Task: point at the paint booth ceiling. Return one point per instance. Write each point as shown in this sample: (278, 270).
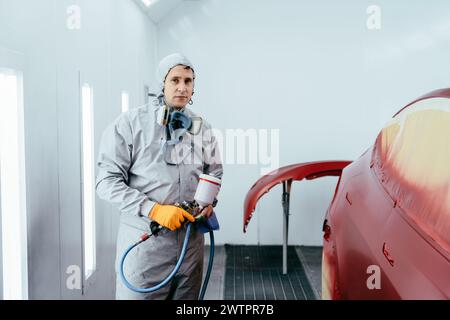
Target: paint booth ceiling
(158, 9)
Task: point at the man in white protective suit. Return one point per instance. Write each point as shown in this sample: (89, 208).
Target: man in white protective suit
(146, 165)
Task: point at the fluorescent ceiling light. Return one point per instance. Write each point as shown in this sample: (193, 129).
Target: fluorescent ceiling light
(148, 3)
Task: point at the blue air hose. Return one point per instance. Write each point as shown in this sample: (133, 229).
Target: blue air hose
(210, 264)
(175, 270)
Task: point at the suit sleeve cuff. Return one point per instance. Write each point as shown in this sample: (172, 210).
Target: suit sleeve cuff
(146, 207)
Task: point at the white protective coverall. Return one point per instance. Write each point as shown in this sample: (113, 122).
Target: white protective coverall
(133, 175)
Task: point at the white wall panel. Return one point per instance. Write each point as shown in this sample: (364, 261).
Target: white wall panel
(113, 50)
(313, 70)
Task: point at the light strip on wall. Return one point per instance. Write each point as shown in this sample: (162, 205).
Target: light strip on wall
(125, 101)
(13, 188)
(89, 240)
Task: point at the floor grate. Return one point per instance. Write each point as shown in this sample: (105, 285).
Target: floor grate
(255, 273)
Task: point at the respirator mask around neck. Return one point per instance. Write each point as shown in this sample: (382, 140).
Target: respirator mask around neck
(176, 124)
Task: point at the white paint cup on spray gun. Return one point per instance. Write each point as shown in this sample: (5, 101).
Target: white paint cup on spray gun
(207, 190)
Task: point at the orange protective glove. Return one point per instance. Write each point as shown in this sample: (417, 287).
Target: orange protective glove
(169, 216)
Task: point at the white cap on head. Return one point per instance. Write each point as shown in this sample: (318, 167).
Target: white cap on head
(167, 63)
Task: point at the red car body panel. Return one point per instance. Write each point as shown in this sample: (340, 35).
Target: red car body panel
(387, 229)
(366, 229)
(296, 172)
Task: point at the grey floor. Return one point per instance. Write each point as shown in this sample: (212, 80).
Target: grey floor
(310, 257)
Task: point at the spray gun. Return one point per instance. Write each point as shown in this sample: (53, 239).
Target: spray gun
(205, 195)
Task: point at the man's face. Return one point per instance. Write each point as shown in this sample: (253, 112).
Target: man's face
(179, 86)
